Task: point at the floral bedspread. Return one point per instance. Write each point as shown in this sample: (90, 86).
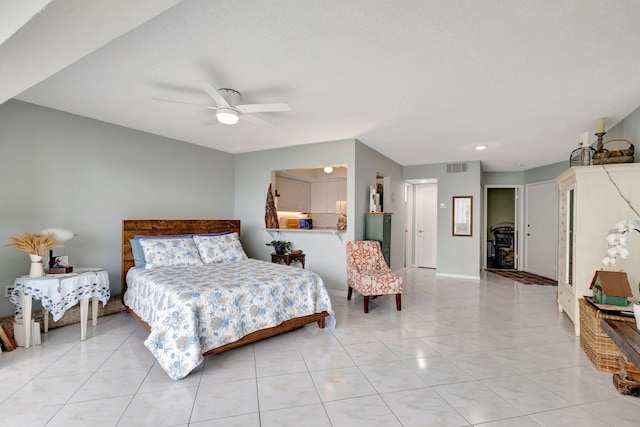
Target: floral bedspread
(194, 309)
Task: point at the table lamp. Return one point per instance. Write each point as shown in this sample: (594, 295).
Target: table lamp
(61, 235)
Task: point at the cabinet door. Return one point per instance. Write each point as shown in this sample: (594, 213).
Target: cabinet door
(282, 187)
(318, 197)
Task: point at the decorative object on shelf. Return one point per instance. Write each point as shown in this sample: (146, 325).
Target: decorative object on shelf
(35, 246)
(341, 208)
(611, 287)
(61, 235)
(271, 214)
(280, 246)
(583, 155)
(603, 156)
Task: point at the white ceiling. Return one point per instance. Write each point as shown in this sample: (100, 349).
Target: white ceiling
(421, 81)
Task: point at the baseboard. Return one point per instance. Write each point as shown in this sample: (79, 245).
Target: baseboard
(458, 276)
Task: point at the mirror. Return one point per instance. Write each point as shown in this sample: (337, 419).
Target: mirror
(462, 215)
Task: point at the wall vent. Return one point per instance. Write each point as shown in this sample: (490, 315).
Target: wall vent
(457, 167)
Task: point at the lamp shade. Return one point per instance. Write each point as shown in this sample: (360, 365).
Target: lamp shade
(227, 116)
(341, 206)
(60, 234)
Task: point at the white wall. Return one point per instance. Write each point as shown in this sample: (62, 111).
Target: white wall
(457, 255)
(326, 253)
(369, 163)
(62, 170)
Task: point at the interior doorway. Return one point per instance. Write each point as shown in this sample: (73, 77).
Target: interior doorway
(421, 223)
(502, 221)
(426, 235)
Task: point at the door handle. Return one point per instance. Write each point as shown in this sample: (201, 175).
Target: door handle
(528, 234)
(420, 231)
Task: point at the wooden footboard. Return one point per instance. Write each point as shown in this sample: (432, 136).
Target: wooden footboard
(286, 326)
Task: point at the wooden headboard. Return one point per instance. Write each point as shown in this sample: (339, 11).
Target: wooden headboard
(160, 227)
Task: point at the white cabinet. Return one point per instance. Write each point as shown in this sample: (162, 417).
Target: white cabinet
(589, 207)
(324, 195)
(294, 194)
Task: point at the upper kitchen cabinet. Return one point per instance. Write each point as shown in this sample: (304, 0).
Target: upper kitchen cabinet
(294, 195)
(324, 195)
(313, 190)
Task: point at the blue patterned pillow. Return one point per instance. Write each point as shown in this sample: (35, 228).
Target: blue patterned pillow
(170, 252)
(216, 249)
(138, 253)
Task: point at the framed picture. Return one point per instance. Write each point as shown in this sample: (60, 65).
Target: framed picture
(61, 261)
(463, 216)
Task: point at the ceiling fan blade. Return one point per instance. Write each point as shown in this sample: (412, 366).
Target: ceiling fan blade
(262, 108)
(184, 103)
(213, 93)
(256, 120)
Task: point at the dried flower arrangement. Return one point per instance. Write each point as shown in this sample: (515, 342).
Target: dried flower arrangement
(33, 244)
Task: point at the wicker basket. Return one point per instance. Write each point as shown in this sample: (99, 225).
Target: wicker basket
(603, 353)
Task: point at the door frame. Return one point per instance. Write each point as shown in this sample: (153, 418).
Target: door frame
(519, 220)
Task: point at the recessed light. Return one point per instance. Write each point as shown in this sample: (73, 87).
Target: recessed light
(481, 147)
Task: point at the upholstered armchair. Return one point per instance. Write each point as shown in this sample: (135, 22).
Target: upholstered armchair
(369, 274)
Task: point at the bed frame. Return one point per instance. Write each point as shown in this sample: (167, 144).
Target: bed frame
(148, 227)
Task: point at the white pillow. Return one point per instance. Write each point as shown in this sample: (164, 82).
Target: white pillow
(216, 249)
(170, 252)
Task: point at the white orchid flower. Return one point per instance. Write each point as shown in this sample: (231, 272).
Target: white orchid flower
(615, 251)
(616, 239)
(627, 225)
(608, 262)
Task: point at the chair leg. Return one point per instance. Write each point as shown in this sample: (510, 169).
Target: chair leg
(399, 302)
(366, 304)
(349, 292)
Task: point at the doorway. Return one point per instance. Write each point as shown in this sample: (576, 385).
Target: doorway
(421, 223)
(502, 219)
(426, 235)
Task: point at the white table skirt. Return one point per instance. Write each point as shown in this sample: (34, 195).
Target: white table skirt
(59, 292)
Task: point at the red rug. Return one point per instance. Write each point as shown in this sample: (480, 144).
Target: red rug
(524, 277)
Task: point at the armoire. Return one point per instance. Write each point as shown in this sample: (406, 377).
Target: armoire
(592, 202)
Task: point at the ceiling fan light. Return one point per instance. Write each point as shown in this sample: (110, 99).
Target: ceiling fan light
(227, 116)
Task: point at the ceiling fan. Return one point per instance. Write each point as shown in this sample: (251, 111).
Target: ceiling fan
(227, 109)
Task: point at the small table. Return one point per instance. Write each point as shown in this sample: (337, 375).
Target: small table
(58, 293)
(288, 258)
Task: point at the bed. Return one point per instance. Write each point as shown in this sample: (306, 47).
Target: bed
(197, 310)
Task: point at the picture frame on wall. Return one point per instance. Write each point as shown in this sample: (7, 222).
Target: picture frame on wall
(463, 216)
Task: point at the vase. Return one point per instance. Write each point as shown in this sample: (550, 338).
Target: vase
(37, 269)
(636, 313)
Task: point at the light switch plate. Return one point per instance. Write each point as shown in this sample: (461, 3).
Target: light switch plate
(7, 290)
(443, 205)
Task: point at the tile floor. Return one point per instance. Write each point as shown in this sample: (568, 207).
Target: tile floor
(460, 353)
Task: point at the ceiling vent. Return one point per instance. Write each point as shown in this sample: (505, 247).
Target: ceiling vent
(457, 167)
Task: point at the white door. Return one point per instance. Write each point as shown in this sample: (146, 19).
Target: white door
(541, 229)
(426, 225)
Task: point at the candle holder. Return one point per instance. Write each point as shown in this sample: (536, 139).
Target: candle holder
(600, 144)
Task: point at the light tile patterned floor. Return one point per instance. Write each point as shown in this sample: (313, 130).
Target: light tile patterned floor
(460, 353)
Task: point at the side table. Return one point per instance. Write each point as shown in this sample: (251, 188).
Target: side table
(288, 258)
(59, 292)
